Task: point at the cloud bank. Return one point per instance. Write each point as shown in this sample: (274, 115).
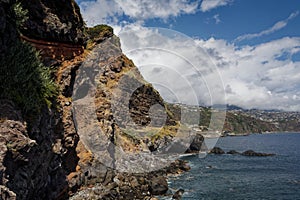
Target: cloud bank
(111, 11)
(208, 72)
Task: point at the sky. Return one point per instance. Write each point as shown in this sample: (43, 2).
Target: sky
(240, 52)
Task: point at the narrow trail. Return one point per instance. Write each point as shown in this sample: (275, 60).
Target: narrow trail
(55, 50)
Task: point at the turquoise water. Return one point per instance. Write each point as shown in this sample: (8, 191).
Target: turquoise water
(233, 177)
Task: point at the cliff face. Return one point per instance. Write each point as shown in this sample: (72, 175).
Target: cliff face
(55, 21)
(43, 156)
(37, 149)
(55, 28)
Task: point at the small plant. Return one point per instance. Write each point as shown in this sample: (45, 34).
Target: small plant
(20, 14)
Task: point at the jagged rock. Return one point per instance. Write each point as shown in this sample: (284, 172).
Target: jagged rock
(56, 21)
(29, 167)
(217, 150)
(196, 144)
(158, 185)
(6, 194)
(253, 153)
(177, 167)
(178, 194)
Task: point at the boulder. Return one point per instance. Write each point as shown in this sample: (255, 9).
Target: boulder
(196, 144)
(177, 167)
(217, 150)
(158, 185)
(178, 194)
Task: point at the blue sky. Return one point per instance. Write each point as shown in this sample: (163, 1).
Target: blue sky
(254, 44)
(238, 18)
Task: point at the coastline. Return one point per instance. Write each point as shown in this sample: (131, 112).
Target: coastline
(268, 132)
(211, 164)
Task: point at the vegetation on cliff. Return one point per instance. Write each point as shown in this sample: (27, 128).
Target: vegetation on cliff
(24, 79)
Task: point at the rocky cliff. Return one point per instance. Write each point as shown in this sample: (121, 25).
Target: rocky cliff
(48, 148)
(37, 143)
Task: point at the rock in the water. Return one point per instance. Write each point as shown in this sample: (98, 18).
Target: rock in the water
(253, 153)
(217, 150)
(233, 152)
(158, 185)
(178, 194)
(177, 167)
(195, 146)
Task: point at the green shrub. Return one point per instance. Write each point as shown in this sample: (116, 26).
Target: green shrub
(25, 80)
(20, 14)
(101, 29)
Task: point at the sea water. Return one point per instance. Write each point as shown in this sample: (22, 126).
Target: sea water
(230, 177)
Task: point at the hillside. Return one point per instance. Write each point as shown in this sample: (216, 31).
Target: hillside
(241, 121)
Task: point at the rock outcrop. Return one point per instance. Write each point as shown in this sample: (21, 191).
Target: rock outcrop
(217, 150)
(253, 153)
(196, 144)
(53, 21)
(178, 194)
(56, 29)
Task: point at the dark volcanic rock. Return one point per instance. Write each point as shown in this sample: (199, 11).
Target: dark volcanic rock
(131, 186)
(196, 144)
(178, 194)
(30, 168)
(177, 167)
(253, 153)
(58, 21)
(158, 185)
(217, 150)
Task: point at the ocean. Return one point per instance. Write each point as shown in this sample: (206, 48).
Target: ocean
(236, 177)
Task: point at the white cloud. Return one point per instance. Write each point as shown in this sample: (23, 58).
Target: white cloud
(251, 76)
(145, 9)
(109, 11)
(217, 18)
(208, 5)
(255, 76)
(188, 74)
(277, 26)
(100, 12)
